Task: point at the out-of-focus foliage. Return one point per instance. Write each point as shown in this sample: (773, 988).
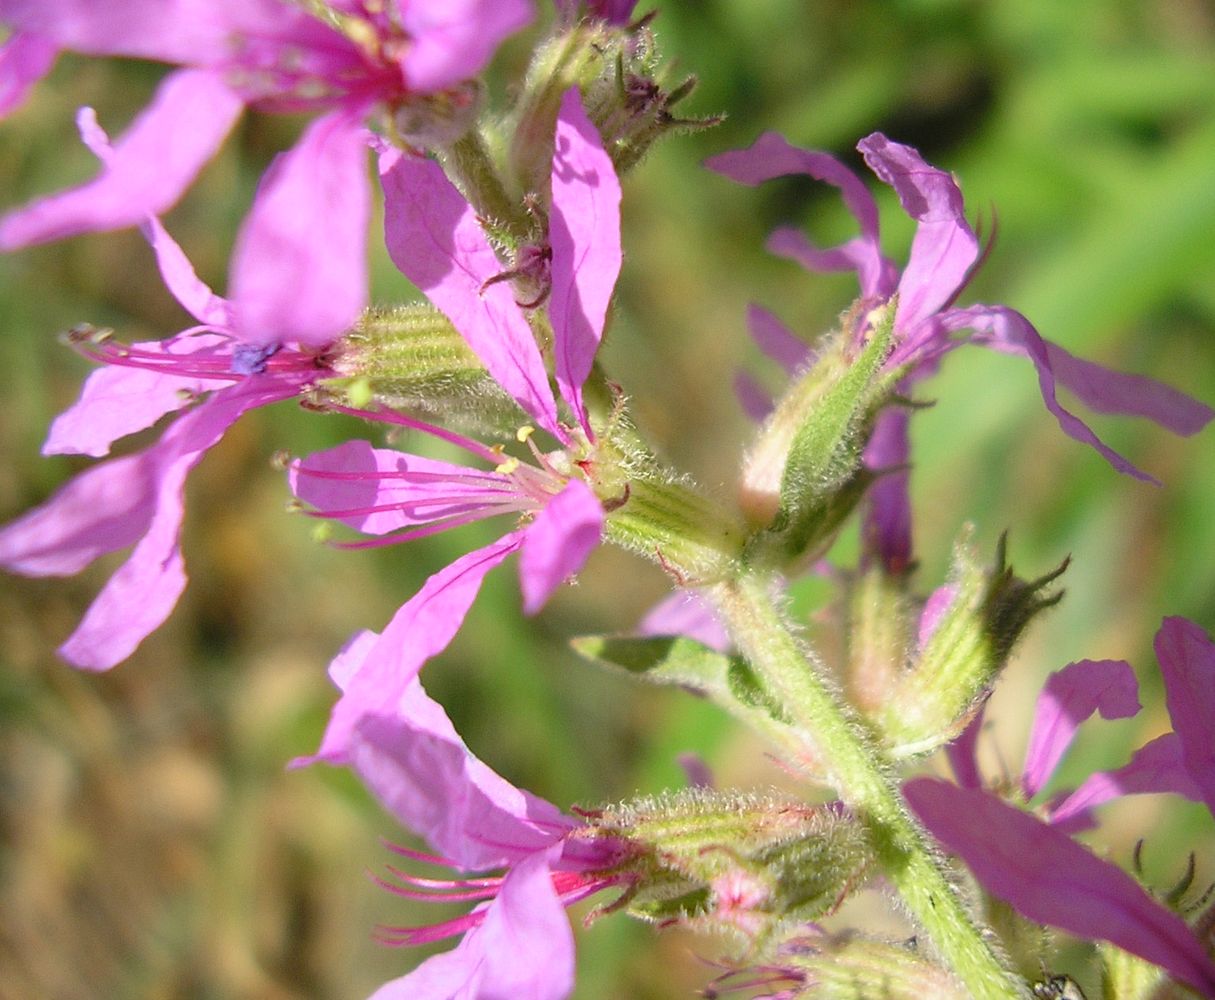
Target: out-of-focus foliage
(153, 845)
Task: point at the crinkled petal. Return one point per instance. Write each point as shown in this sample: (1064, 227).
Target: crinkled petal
(103, 509)
(1105, 391)
(117, 401)
(148, 169)
(454, 40)
(143, 591)
(24, 60)
(411, 758)
(584, 232)
(1068, 697)
(887, 524)
(685, 612)
(772, 156)
(557, 543)
(422, 628)
(776, 340)
(876, 275)
(378, 490)
(434, 238)
(1051, 879)
(1007, 330)
(1157, 766)
(522, 948)
(299, 270)
(1187, 663)
(944, 247)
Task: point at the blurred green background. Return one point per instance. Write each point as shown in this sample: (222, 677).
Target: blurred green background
(154, 846)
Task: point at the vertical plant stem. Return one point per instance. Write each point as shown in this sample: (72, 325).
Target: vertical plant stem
(866, 782)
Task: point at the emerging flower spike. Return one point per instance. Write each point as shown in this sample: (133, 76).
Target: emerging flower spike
(519, 943)
(436, 241)
(310, 213)
(138, 499)
(944, 254)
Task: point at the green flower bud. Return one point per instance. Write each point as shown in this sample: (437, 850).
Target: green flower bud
(803, 474)
(966, 637)
(411, 358)
(751, 866)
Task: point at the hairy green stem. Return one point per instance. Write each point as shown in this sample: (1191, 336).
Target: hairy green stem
(867, 784)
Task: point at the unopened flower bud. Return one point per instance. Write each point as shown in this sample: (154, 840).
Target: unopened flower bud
(966, 632)
(412, 358)
(747, 865)
(804, 472)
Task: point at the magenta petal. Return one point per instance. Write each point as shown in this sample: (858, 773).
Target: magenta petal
(178, 274)
(1157, 766)
(1106, 391)
(754, 399)
(299, 271)
(522, 948)
(420, 629)
(103, 509)
(434, 238)
(584, 231)
(772, 156)
(962, 753)
(1051, 879)
(413, 761)
(1007, 330)
(148, 169)
(776, 340)
(944, 248)
(887, 525)
(685, 612)
(1068, 697)
(378, 490)
(454, 40)
(117, 401)
(1187, 663)
(24, 60)
(557, 543)
(142, 592)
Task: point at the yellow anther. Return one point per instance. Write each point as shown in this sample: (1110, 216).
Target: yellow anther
(524, 432)
(507, 467)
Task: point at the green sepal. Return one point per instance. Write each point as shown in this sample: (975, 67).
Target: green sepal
(411, 358)
(804, 473)
(728, 861)
(991, 607)
(853, 967)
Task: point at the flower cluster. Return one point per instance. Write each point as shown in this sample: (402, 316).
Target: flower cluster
(509, 225)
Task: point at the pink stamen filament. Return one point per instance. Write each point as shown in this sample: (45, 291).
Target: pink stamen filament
(451, 437)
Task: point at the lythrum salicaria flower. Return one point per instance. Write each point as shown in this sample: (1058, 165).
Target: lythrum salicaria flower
(944, 254)
(434, 237)
(1032, 863)
(517, 942)
(214, 372)
(309, 217)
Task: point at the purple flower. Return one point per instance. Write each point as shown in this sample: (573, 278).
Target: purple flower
(612, 11)
(1032, 863)
(944, 254)
(433, 236)
(138, 499)
(310, 213)
(406, 751)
